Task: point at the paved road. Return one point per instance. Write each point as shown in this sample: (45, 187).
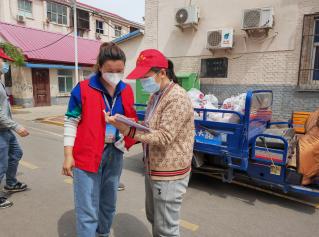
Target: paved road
(210, 209)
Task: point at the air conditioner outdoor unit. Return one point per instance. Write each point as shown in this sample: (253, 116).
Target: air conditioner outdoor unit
(187, 16)
(259, 18)
(220, 38)
(20, 18)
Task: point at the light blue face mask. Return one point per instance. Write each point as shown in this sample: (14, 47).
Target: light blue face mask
(5, 68)
(150, 85)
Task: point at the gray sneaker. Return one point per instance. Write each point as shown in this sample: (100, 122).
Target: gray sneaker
(121, 187)
(19, 187)
(4, 203)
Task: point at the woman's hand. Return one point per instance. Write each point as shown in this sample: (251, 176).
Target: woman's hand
(68, 166)
(122, 127)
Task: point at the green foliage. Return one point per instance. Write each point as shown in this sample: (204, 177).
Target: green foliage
(13, 52)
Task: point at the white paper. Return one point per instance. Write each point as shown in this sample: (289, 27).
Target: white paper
(131, 123)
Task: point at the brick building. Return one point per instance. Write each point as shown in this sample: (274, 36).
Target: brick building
(281, 54)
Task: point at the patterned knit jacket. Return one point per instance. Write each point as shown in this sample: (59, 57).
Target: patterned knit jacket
(170, 143)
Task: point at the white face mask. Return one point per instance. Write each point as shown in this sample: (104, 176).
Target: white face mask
(113, 78)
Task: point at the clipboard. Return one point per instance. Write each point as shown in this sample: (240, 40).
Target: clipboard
(131, 123)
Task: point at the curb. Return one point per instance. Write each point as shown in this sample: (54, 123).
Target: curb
(16, 107)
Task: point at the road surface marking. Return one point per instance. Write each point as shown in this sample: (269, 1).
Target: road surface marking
(28, 165)
(189, 226)
(68, 181)
(47, 132)
(185, 224)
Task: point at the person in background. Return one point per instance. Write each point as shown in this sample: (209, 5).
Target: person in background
(168, 148)
(10, 150)
(94, 149)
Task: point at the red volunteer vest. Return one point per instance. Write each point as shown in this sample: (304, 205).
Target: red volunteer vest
(89, 142)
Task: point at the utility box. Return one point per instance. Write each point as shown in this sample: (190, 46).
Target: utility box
(185, 80)
(188, 80)
(142, 97)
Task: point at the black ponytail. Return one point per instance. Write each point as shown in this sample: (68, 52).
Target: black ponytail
(170, 73)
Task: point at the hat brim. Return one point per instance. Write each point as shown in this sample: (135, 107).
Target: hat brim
(6, 57)
(138, 73)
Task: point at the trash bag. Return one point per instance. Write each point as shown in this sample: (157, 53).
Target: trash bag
(195, 95)
(229, 103)
(234, 103)
(211, 100)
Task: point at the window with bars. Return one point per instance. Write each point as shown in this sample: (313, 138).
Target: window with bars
(118, 30)
(57, 13)
(65, 80)
(214, 68)
(309, 59)
(25, 8)
(99, 27)
(83, 19)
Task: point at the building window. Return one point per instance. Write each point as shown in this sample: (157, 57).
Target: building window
(25, 8)
(133, 29)
(80, 33)
(87, 74)
(99, 27)
(65, 80)
(214, 68)
(118, 31)
(309, 60)
(83, 19)
(57, 13)
(316, 53)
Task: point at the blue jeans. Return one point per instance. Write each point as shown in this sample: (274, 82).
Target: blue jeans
(10, 155)
(95, 195)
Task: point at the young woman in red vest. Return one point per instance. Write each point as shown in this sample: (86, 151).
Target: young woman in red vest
(94, 149)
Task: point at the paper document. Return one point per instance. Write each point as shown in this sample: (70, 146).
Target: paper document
(131, 123)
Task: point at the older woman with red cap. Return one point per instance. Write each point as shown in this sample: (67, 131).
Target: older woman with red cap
(10, 150)
(168, 147)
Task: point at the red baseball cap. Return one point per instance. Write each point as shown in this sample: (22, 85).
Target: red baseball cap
(4, 56)
(146, 61)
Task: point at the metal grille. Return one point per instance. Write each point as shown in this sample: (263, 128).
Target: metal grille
(181, 16)
(252, 18)
(309, 56)
(214, 68)
(214, 39)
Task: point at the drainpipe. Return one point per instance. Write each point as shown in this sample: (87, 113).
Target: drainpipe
(75, 25)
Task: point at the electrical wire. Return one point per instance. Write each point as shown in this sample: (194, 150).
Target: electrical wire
(264, 39)
(46, 46)
(58, 40)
